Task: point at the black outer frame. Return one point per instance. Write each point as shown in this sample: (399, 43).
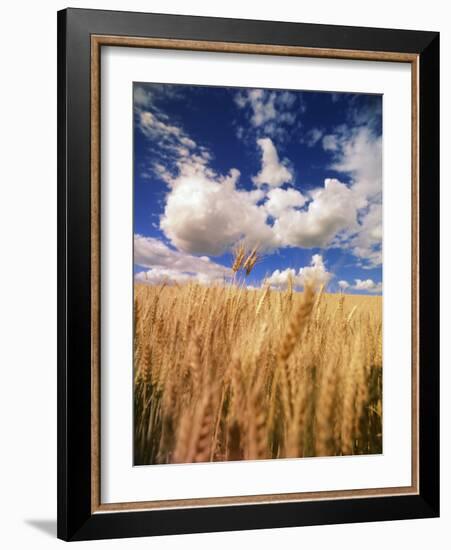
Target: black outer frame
(75, 520)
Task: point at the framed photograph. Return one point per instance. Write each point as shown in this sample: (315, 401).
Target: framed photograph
(248, 274)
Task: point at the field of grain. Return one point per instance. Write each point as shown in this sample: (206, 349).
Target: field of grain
(227, 373)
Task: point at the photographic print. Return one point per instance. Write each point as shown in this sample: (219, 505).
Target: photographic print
(248, 269)
(257, 273)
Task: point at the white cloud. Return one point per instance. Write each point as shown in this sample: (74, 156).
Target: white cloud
(154, 127)
(286, 99)
(369, 285)
(261, 102)
(343, 285)
(363, 286)
(165, 263)
(361, 156)
(207, 214)
(312, 137)
(142, 97)
(358, 153)
(273, 172)
(175, 148)
(162, 172)
(280, 200)
(315, 274)
(270, 113)
(159, 275)
(149, 95)
(332, 210)
(279, 279)
(367, 243)
(330, 142)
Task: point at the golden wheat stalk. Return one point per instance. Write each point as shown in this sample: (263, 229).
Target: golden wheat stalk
(225, 373)
(264, 298)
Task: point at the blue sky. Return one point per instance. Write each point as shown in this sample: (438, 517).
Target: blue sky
(296, 173)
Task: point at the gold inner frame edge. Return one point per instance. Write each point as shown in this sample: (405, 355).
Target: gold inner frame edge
(97, 41)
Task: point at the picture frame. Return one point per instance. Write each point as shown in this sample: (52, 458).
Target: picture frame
(81, 36)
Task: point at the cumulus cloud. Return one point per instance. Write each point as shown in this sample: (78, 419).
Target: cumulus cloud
(315, 274)
(367, 243)
(357, 152)
(360, 154)
(273, 172)
(167, 264)
(281, 200)
(159, 275)
(279, 279)
(367, 285)
(332, 209)
(207, 214)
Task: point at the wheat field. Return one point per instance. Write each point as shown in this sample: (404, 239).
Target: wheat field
(227, 373)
